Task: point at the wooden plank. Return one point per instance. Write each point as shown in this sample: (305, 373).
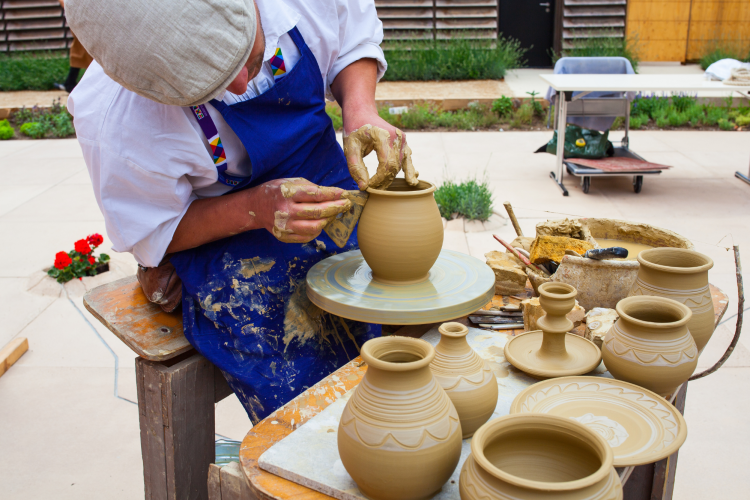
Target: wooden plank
(661, 11)
(473, 12)
(221, 387)
(37, 34)
(33, 13)
(12, 352)
(148, 379)
(189, 427)
(387, 13)
(32, 24)
(150, 332)
(214, 482)
(234, 485)
(27, 4)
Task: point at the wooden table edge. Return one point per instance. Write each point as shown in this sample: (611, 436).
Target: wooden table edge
(282, 422)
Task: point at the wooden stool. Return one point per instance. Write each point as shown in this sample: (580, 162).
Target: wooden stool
(177, 389)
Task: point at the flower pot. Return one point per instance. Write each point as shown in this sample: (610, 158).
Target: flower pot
(399, 436)
(650, 345)
(681, 275)
(538, 457)
(466, 377)
(400, 232)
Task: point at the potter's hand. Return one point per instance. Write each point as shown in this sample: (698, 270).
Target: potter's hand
(390, 146)
(296, 210)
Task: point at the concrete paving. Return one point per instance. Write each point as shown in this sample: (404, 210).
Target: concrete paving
(65, 435)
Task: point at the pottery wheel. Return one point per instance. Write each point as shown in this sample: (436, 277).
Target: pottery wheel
(458, 284)
(641, 426)
(522, 352)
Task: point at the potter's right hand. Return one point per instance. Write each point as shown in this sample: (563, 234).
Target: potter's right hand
(389, 144)
(296, 210)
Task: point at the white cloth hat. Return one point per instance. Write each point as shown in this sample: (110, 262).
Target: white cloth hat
(178, 52)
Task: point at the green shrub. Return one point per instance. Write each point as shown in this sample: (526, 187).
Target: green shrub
(682, 102)
(6, 130)
(62, 125)
(35, 130)
(471, 199)
(638, 121)
(503, 106)
(722, 47)
(695, 115)
(676, 119)
(725, 124)
(651, 106)
(662, 120)
(524, 115)
(742, 121)
(33, 70)
(455, 59)
(714, 114)
(334, 113)
(605, 46)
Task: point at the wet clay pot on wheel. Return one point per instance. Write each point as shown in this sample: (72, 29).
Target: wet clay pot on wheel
(538, 457)
(465, 376)
(681, 275)
(399, 436)
(400, 232)
(649, 345)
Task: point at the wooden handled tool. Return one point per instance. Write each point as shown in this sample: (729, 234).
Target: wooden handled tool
(513, 220)
(341, 228)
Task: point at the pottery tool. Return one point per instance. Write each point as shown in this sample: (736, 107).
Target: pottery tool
(494, 320)
(607, 253)
(457, 285)
(340, 228)
(520, 257)
(509, 326)
(513, 220)
(507, 314)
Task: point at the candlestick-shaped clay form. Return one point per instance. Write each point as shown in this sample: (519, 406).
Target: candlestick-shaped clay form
(465, 376)
(553, 352)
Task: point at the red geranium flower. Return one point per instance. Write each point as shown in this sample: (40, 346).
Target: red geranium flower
(62, 260)
(82, 246)
(95, 239)
(92, 260)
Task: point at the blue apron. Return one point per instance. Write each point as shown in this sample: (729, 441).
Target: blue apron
(245, 305)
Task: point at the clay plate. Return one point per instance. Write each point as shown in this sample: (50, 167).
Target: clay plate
(458, 284)
(641, 426)
(521, 351)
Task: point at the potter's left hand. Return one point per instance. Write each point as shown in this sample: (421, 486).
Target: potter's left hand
(390, 146)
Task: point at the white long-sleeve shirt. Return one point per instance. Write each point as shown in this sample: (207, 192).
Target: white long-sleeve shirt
(149, 161)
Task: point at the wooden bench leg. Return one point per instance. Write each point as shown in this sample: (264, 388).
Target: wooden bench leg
(176, 405)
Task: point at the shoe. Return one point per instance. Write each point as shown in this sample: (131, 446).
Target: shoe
(59, 86)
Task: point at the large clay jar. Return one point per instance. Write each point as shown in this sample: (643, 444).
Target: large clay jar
(681, 275)
(399, 436)
(466, 377)
(400, 232)
(650, 345)
(538, 457)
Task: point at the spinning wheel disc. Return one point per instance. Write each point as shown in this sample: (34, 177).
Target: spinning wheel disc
(458, 284)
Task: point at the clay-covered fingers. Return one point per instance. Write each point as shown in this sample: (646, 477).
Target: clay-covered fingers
(300, 231)
(389, 157)
(410, 173)
(303, 191)
(357, 145)
(315, 211)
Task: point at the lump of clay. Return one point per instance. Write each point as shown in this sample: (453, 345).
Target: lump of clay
(532, 311)
(552, 248)
(572, 228)
(510, 278)
(599, 320)
(522, 242)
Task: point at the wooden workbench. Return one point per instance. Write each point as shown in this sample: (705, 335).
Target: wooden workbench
(647, 482)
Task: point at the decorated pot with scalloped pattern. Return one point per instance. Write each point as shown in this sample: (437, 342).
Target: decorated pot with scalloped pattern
(538, 457)
(650, 345)
(399, 435)
(465, 376)
(681, 275)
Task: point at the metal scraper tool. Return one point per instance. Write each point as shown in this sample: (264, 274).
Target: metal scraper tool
(340, 228)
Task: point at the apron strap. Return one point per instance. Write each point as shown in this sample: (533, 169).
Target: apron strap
(208, 127)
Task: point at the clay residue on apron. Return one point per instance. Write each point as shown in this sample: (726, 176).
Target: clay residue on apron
(303, 320)
(256, 265)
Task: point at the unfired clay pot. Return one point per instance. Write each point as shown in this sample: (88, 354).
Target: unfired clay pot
(538, 457)
(400, 232)
(466, 377)
(649, 345)
(681, 275)
(399, 435)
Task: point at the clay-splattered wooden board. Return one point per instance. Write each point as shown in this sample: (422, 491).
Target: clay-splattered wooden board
(309, 456)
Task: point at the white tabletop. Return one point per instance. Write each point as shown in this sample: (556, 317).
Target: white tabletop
(635, 83)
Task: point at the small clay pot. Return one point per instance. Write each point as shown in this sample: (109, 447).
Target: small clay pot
(681, 275)
(650, 345)
(465, 376)
(399, 436)
(538, 457)
(400, 232)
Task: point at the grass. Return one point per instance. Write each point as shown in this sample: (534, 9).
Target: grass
(610, 46)
(470, 199)
(456, 59)
(683, 110)
(33, 70)
(723, 48)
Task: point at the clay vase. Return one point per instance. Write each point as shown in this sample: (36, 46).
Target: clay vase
(400, 232)
(465, 376)
(538, 457)
(399, 436)
(681, 275)
(650, 345)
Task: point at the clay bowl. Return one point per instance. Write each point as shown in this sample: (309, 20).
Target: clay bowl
(604, 283)
(538, 457)
(400, 232)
